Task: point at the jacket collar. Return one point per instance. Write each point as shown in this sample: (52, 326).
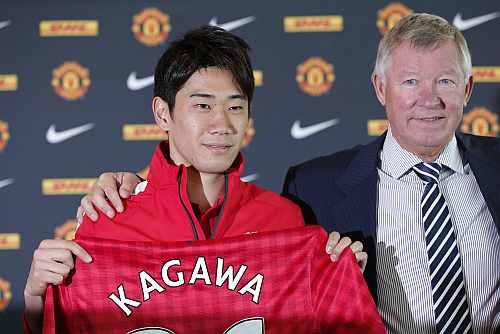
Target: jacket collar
(364, 164)
(164, 172)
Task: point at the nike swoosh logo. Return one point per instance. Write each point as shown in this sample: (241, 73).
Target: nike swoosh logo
(55, 137)
(299, 132)
(231, 25)
(6, 182)
(462, 24)
(250, 177)
(4, 24)
(133, 83)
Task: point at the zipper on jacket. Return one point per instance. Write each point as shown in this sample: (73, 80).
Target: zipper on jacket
(193, 226)
(212, 233)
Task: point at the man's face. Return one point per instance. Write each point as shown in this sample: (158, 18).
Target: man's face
(209, 120)
(424, 92)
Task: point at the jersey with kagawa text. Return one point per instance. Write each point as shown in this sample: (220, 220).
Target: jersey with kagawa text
(269, 282)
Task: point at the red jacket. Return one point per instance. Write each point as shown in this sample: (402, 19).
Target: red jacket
(162, 212)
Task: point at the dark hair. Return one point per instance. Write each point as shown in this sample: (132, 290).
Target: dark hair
(201, 48)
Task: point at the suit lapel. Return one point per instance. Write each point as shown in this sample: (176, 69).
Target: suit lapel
(359, 186)
(357, 210)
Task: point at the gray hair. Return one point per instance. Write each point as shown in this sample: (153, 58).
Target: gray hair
(424, 31)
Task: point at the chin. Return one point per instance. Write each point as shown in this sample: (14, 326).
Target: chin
(213, 168)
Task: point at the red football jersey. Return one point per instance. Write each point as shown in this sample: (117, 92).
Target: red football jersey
(272, 282)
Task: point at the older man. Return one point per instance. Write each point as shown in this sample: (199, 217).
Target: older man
(423, 199)
(427, 196)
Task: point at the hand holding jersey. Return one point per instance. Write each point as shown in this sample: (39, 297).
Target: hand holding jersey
(207, 287)
(52, 262)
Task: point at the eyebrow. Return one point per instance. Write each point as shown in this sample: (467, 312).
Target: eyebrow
(446, 71)
(210, 96)
(449, 72)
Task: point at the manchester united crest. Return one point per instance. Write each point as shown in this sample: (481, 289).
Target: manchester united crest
(71, 81)
(480, 121)
(315, 76)
(151, 26)
(390, 15)
(4, 135)
(5, 294)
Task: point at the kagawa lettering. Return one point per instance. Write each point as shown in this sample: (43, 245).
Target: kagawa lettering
(250, 284)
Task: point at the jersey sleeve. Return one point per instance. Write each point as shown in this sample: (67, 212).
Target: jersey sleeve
(341, 300)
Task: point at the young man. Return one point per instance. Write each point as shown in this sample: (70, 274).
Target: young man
(203, 89)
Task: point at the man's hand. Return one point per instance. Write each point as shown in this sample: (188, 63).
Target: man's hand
(52, 262)
(335, 246)
(109, 186)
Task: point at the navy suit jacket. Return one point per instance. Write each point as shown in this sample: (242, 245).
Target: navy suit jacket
(339, 191)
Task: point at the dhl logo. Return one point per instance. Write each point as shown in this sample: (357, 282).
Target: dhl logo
(313, 23)
(10, 241)
(69, 28)
(66, 186)
(8, 82)
(377, 126)
(143, 132)
(258, 77)
(486, 73)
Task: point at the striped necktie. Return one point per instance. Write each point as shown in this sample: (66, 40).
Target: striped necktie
(448, 290)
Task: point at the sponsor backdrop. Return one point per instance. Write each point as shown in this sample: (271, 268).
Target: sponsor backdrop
(76, 88)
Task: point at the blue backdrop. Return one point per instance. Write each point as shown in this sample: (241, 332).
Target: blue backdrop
(75, 95)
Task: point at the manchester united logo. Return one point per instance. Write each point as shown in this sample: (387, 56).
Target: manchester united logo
(66, 231)
(71, 80)
(5, 294)
(480, 121)
(4, 135)
(151, 26)
(390, 15)
(315, 76)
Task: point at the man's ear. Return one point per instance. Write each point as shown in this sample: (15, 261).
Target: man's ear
(379, 86)
(161, 113)
(469, 86)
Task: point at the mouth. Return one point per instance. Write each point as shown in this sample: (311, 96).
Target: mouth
(218, 148)
(429, 119)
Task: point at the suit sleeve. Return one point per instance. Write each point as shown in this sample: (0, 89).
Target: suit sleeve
(341, 300)
(291, 190)
(289, 186)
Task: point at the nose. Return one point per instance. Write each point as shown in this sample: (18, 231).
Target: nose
(221, 122)
(429, 96)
